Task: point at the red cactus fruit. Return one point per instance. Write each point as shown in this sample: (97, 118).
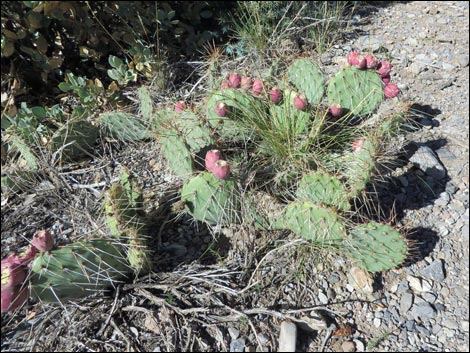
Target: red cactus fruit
(13, 274)
(225, 85)
(246, 83)
(384, 68)
(221, 169)
(43, 240)
(300, 101)
(257, 87)
(391, 90)
(221, 108)
(234, 80)
(212, 156)
(336, 110)
(386, 80)
(27, 256)
(371, 61)
(361, 62)
(275, 94)
(352, 58)
(180, 106)
(14, 297)
(357, 145)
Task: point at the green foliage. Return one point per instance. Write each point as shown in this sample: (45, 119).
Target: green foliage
(212, 200)
(120, 72)
(77, 270)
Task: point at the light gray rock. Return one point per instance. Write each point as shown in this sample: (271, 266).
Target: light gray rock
(435, 271)
(406, 302)
(237, 345)
(288, 337)
(425, 159)
(233, 332)
(423, 311)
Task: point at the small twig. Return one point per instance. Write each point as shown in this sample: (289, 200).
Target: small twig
(111, 313)
(328, 334)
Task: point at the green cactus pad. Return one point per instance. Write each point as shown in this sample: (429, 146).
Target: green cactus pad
(146, 103)
(320, 187)
(361, 166)
(74, 138)
(196, 134)
(124, 126)
(359, 91)
(376, 247)
(308, 79)
(177, 153)
(77, 270)
(313, 222)
(212, 200)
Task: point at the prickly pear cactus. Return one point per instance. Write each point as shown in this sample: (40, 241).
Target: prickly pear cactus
(177, 153)
(123, 208)
(376, 247)
(212, 200)
(313, 222)
(78, 270)
(124, 126)
(359, 91)
(74, 138)
(308, 79)
(322, 188)
(146, 104)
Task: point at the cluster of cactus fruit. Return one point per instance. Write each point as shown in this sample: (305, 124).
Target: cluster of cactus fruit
(81, 268)
(244, 111)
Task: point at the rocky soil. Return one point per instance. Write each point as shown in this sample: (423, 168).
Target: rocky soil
(230, 290)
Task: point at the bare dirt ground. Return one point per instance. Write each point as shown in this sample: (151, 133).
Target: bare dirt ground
(229, 289)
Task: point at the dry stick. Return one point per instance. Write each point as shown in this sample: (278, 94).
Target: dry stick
(111, 313)
(128, 342)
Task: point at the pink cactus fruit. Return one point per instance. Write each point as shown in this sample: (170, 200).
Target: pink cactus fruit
(384, 68)
(371, 61)
(257, 87)
(275, 94)
(43, 240)
(357, 145)
(26, 256)
(386, 79)
(13, 274)
(246, 83)
(234, 80)
(212, 157)
(391, 90)
(221, 108)
(336, 110)
(221, 169)
(180, 106)
(300, 101)
(225, 85)
(352, 58)
(361, 62)
(14, 297)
